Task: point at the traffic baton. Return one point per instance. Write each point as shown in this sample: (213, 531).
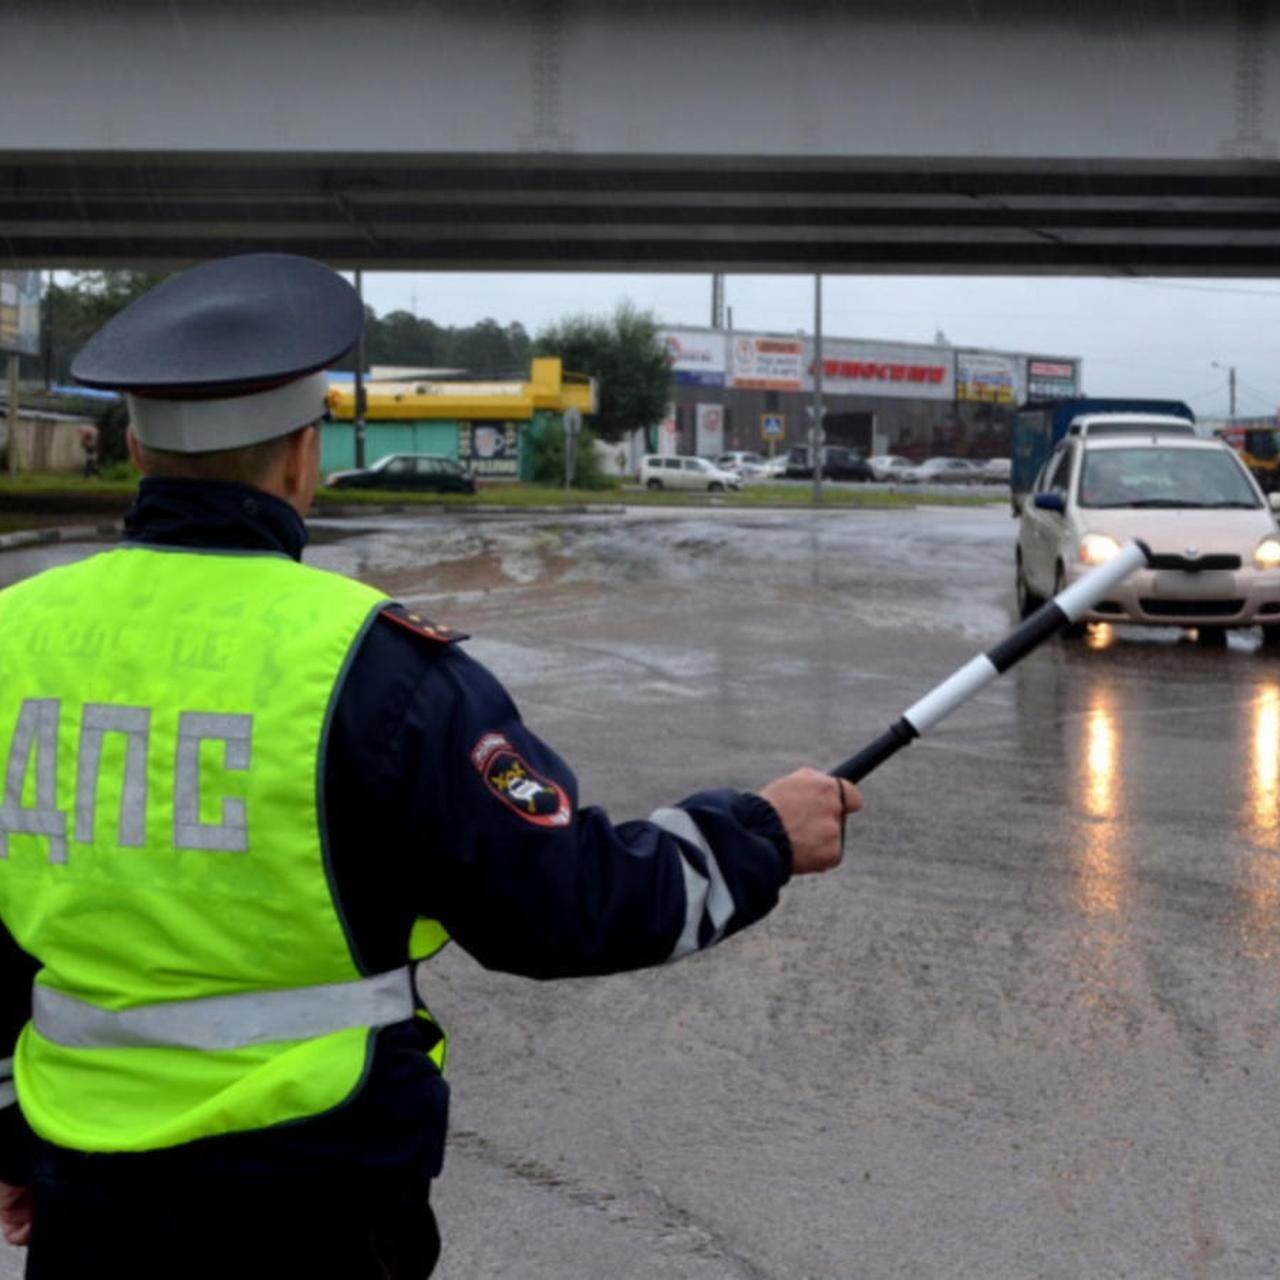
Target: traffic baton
(1067, 606)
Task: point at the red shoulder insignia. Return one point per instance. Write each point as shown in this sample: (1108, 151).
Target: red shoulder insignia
(421, 626)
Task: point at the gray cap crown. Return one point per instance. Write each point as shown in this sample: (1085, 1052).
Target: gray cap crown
(227, 354)
(236, 324)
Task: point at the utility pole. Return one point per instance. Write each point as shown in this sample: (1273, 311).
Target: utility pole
(816, 434)
(13, 416)
(1231, 386)
(717, 300)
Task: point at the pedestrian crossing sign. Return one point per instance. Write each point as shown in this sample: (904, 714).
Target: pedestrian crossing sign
(773, 426)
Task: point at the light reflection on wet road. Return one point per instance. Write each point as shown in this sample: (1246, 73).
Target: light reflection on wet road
(1031, 1028)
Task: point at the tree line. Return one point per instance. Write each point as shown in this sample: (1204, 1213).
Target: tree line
(620, 351)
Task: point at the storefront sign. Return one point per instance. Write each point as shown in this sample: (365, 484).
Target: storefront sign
(885, 369)
(988, 379)
(710, 430)
(20, 312)
(697, 358)
(490, 448)
(768, 364)
(1050, 379)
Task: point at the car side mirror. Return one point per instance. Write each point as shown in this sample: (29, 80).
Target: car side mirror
(1051, 502)
(1273, 499)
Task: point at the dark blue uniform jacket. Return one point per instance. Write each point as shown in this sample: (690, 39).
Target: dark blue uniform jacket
(424, 821)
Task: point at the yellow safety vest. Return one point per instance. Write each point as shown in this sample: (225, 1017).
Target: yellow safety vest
(163, 721)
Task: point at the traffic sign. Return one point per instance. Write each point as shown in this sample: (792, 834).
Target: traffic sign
(773, 426)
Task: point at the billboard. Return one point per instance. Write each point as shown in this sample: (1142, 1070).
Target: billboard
(20, 312)
(669, 433)
(768, 364)
(490, 448)
(710, 430)
(901, 370)
(1052, 378)
(697, 357)
(987, 378)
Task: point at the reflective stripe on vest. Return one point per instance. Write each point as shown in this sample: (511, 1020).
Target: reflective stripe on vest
(226, 1022)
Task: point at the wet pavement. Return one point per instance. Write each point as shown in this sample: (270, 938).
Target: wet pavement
(1031, 1028)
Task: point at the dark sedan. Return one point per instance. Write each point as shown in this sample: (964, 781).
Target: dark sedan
(837, 464)
(408, 472)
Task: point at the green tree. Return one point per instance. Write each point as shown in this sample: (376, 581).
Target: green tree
(75, 308)
(622, 352)
(487, 350)
(548, 459)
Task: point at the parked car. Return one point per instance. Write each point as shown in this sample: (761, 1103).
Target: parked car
(750, 466)
(685, 473)
(944, 471)
(838, 463)
(996, 471)
(889, 466)
(1211, 531)
(409, 472)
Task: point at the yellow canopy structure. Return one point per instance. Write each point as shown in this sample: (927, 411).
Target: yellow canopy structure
(548, 388)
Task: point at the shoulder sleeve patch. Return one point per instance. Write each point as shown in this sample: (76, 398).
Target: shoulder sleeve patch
(415, 622)
(518, 785)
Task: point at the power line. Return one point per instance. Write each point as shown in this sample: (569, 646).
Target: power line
(1260, 393)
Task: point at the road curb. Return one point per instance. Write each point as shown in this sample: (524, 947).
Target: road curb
(68, 533)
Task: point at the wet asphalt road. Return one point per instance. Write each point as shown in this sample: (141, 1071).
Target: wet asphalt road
(1031, 1028)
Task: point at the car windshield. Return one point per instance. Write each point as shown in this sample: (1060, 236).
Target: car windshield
(1150, 477)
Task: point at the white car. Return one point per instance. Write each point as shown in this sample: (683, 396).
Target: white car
(678, 472)
(944, 471)
(750, 466)
(996, 471)
(1212, 533)
(890, 466)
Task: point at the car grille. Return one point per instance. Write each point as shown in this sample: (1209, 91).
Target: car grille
(1199, 565)
(1190, 608)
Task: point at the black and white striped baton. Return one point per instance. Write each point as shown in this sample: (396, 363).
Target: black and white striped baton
(1067, 606)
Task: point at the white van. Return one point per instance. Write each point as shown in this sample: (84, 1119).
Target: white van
(679, 472)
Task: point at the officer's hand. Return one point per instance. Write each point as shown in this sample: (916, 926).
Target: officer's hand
(15, 1213)
(813, 806)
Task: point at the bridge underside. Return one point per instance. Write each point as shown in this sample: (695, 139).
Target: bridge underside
(697, 213)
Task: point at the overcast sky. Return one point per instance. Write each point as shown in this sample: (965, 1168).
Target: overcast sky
(1136, 337)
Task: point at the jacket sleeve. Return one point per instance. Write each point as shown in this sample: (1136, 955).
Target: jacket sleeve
(528, 882)
(17, 969)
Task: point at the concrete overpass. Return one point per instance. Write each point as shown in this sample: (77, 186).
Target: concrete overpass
(1094, 136)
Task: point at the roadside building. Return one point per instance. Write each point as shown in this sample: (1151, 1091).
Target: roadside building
(739, 390)
(488, 426)
(50, 441)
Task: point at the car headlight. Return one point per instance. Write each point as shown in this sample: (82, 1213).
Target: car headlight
(1098, 548)
(1266, 555)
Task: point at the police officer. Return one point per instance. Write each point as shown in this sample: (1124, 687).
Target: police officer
(244, 799)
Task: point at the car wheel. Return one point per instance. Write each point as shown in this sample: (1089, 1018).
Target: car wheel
(654, 484)
(1028, 601)
(715, 487)
(1073, 630)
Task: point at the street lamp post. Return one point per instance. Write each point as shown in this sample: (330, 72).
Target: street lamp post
(816, 433)
(1231, 385)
